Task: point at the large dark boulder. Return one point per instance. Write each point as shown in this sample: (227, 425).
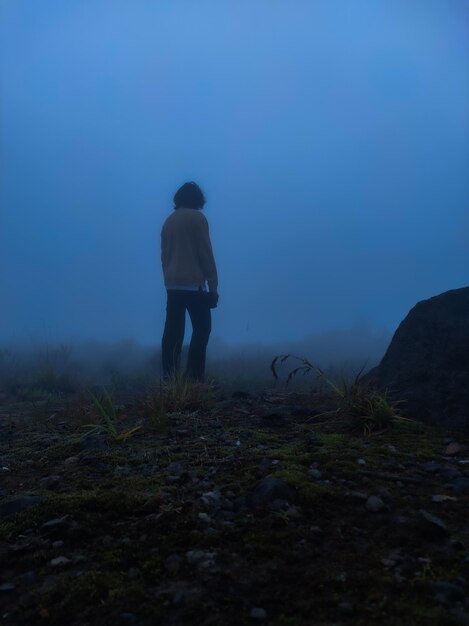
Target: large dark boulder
(427, 362)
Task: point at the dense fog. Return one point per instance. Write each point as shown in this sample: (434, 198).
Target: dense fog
(330, 138)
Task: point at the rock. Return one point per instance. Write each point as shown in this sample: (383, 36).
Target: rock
(173, 563)
(361, 462)
(269, 489)
(129, 618)
(17, 504)
(7, 587)
(345, 608)
(440, 498)
(58, 544)
(431, 466)
(449, 473)
(431, 525)
(60, 561)
(28, 578)
(446, 592)
(453, 449)
(49, 482)
(71, 460)
(258, 614)
(55, 524)
(375, 504)
(461, 484)
(357, 495)
(314, 473)
(426, 363)
(175, 469)
(211, 499)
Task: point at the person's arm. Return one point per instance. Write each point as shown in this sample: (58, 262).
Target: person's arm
(164, 249)
(206, 255)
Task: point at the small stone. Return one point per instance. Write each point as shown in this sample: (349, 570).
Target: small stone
(258, 614)
(453, 449)
(17, 504)
(375, 504)
(174, 479)
(361, 461)
(49, 482)
(357, 495)
(173, 563)
(446, 592)
(108, 541)
(432, 525)
(345, 608)
(56, 523)
(461, 484)
(175, 469)
(7, 587)
(60, 561)
(28, 578)
(431, 467)
(269, 489)
(315, 473)
(71, 460)
(57, 544)
(439, 498)
(211, 498)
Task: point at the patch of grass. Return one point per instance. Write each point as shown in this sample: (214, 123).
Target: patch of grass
(359, 407)
(108, 411)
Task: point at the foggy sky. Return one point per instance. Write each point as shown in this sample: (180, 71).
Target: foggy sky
(330, 138)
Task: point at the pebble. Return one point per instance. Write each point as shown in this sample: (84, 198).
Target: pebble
(446, 592)
(361, 461)
(314, 473)
(431, 467)
(60, 561)
(173, 563)
(439, 498)
(16, 504)
(56, 523)
(258, 614)
(461, 484)
(176, 469)
(58, 544)
(375, 504)
(71, 460)
(345, 608)
(7, 587)
(453, 449)
(269, 489)
(432, 525)
(28, 578)
(49, 482)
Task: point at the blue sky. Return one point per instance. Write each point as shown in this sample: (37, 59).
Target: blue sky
(331, 139)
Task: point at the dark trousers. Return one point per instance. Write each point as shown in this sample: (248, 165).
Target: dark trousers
(195, 302)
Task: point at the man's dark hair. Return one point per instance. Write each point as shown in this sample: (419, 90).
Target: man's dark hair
(189, 196)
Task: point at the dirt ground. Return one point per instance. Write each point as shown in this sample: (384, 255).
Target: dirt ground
(240, 510)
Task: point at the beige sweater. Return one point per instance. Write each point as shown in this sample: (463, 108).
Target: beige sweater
(186, 251)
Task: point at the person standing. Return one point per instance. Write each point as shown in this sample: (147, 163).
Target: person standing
(189, 269)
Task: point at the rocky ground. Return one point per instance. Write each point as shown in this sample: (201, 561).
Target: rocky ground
(251, 509)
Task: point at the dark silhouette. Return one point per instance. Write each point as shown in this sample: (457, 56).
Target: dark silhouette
(188, 267)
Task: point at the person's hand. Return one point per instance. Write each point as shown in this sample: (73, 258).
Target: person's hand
(213, 299)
